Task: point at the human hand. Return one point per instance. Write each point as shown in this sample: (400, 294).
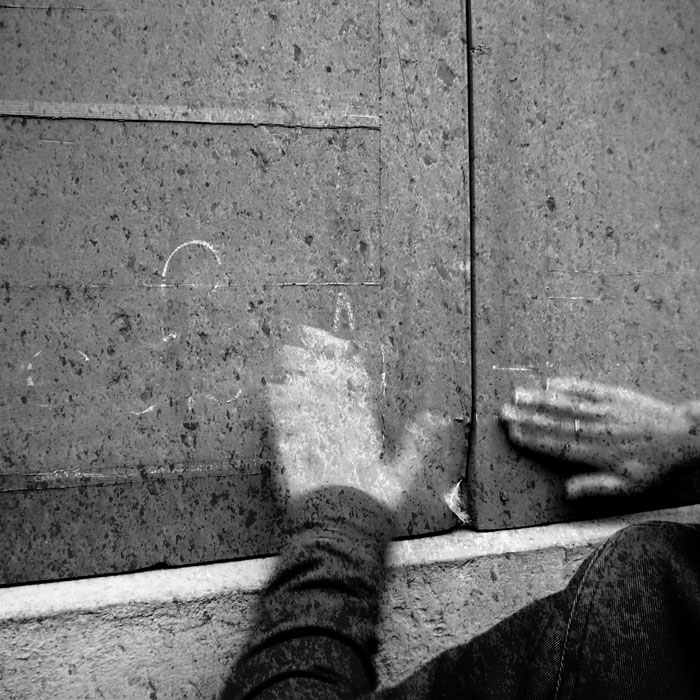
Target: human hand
(631, 440)
(324, 408)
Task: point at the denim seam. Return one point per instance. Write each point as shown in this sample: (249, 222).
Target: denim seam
(579, 592)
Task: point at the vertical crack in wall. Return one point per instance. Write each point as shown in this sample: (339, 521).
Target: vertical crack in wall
(380, 223)
(472, 435)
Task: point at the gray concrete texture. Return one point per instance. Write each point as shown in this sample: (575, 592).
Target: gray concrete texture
(183, 648)
(118, 314)
(174, 634)
(289, 62)
(587, 165)
(153, 261)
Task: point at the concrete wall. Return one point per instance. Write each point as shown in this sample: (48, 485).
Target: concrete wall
(173, 634)
(587, 200)
(180, 188)
(339, 158)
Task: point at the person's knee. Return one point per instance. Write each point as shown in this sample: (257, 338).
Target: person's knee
(656, 551)
(655, 537)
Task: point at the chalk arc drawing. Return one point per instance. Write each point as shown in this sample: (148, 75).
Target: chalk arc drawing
(196, 241)
(170, 335)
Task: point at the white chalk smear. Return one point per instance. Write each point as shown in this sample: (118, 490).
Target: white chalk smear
(381, 347)
(213, 398)
(515, 369)
(150, 409)
(196, 241)
(454, 502)
(30, 367)
(342, 302)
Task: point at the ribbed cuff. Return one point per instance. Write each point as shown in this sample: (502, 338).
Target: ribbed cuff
(343, 506)
(317, 617)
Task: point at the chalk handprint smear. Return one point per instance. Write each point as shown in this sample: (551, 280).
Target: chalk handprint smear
(167, 255)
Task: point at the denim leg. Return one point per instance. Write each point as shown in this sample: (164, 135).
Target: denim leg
(633, 627)
(626, 627)
(497, 664)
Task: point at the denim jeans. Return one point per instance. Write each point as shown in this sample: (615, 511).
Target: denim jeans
(627, 627)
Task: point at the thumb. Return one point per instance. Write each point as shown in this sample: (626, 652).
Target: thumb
(597, 484)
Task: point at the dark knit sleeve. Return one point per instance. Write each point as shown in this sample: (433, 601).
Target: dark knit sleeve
(314, 633)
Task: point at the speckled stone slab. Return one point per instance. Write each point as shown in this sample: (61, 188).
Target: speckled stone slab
(207, 181)
(588, 201)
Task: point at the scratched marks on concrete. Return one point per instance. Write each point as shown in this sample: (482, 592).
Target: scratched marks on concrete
(150, 248)
(425, 213)
(246, 62)
(280, 205)
(192, 394)
(179, 357)
(588, 196)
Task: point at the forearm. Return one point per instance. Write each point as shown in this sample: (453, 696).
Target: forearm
(316, 620)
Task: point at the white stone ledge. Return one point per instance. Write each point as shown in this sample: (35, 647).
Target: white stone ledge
(468, 544)
(36, 601)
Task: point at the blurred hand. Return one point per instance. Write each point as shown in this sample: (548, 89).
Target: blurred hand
(324, 409)
(630, 440)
